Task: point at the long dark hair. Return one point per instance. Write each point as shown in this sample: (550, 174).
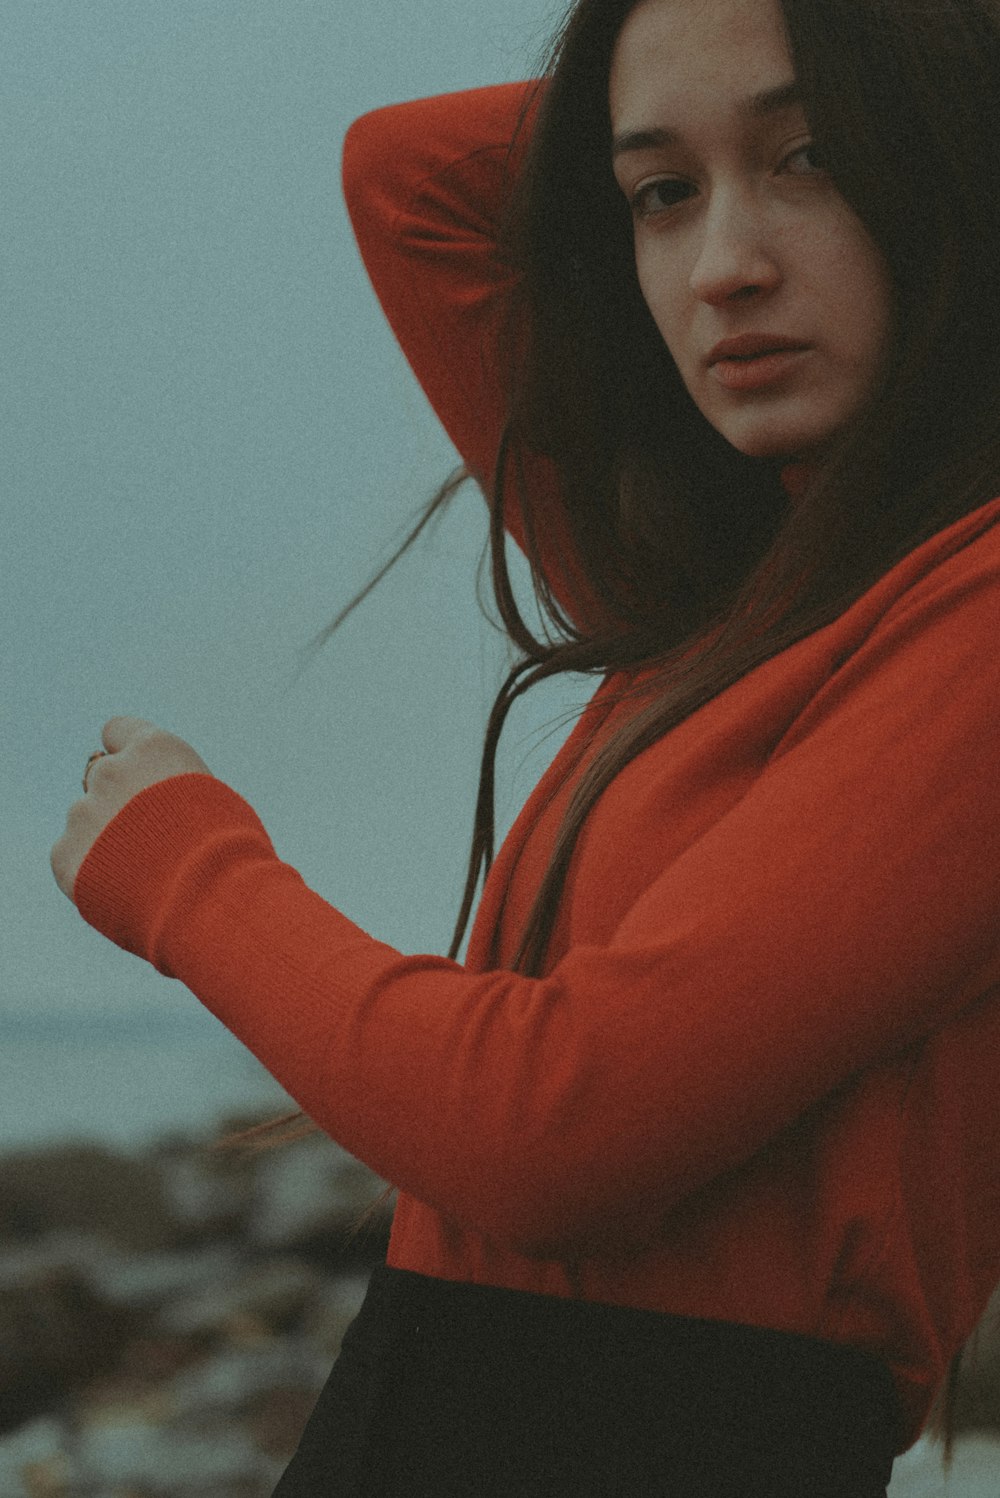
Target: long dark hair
(701, 567)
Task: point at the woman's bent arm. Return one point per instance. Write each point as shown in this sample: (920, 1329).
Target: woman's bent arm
(426, 185)
(841, 910)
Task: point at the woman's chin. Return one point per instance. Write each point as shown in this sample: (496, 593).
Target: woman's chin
(800, 436)
(786, 446)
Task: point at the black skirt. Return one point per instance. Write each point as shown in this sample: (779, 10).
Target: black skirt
(446, 1390)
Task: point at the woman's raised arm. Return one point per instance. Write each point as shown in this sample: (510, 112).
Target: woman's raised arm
(425, 184)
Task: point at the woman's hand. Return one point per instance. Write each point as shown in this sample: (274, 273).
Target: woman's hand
(139, 754)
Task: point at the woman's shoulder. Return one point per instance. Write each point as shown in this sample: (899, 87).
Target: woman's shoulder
(964, 550)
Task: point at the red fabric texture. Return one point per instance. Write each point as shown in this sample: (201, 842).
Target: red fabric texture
(757, 1079)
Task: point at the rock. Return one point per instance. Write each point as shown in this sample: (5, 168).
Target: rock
(262, 1300)
(73, 1311)
(332, 1312)
(33, 1462)
(179, 1312)
(210, 1190)
(276, 1421)
(126, 1452)
(84, 1189)
(125, 1279)
(148, 1280)
(55, 1334)
(311, 1196)
(146, 1365)
(264, 1394)
(81, 1252)
(234, 1379)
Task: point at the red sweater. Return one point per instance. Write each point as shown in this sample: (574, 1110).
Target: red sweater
(757, 1080)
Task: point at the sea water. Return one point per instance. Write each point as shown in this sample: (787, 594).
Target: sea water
(123, 1083)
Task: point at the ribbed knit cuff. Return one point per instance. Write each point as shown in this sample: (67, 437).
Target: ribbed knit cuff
(124, 884)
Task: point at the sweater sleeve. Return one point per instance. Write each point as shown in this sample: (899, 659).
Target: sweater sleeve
(425, 185)
(837, 914)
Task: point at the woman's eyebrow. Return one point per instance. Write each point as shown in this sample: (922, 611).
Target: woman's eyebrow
(769, 101)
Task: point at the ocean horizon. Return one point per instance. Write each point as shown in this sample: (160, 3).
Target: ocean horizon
(121, 1082)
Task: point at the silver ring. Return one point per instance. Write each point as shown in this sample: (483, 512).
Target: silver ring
(100, 753)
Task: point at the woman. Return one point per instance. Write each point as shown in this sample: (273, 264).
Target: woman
(698, 1152)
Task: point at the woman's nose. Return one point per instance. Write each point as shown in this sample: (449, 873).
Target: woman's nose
(734, 258)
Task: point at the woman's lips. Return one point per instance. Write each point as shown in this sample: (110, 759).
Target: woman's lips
(762, 369)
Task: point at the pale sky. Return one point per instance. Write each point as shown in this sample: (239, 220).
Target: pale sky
(210, 442)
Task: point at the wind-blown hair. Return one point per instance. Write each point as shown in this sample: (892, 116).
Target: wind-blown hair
(704, 568)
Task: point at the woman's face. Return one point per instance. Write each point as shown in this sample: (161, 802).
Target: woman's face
(738, 231)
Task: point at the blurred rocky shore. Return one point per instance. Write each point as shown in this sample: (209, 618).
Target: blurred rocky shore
(167, 1319)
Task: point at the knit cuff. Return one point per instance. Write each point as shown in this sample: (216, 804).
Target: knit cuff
(124, 885)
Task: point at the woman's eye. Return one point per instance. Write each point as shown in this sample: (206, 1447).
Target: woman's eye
(656, 196)
(809, 149)
(660, 196)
